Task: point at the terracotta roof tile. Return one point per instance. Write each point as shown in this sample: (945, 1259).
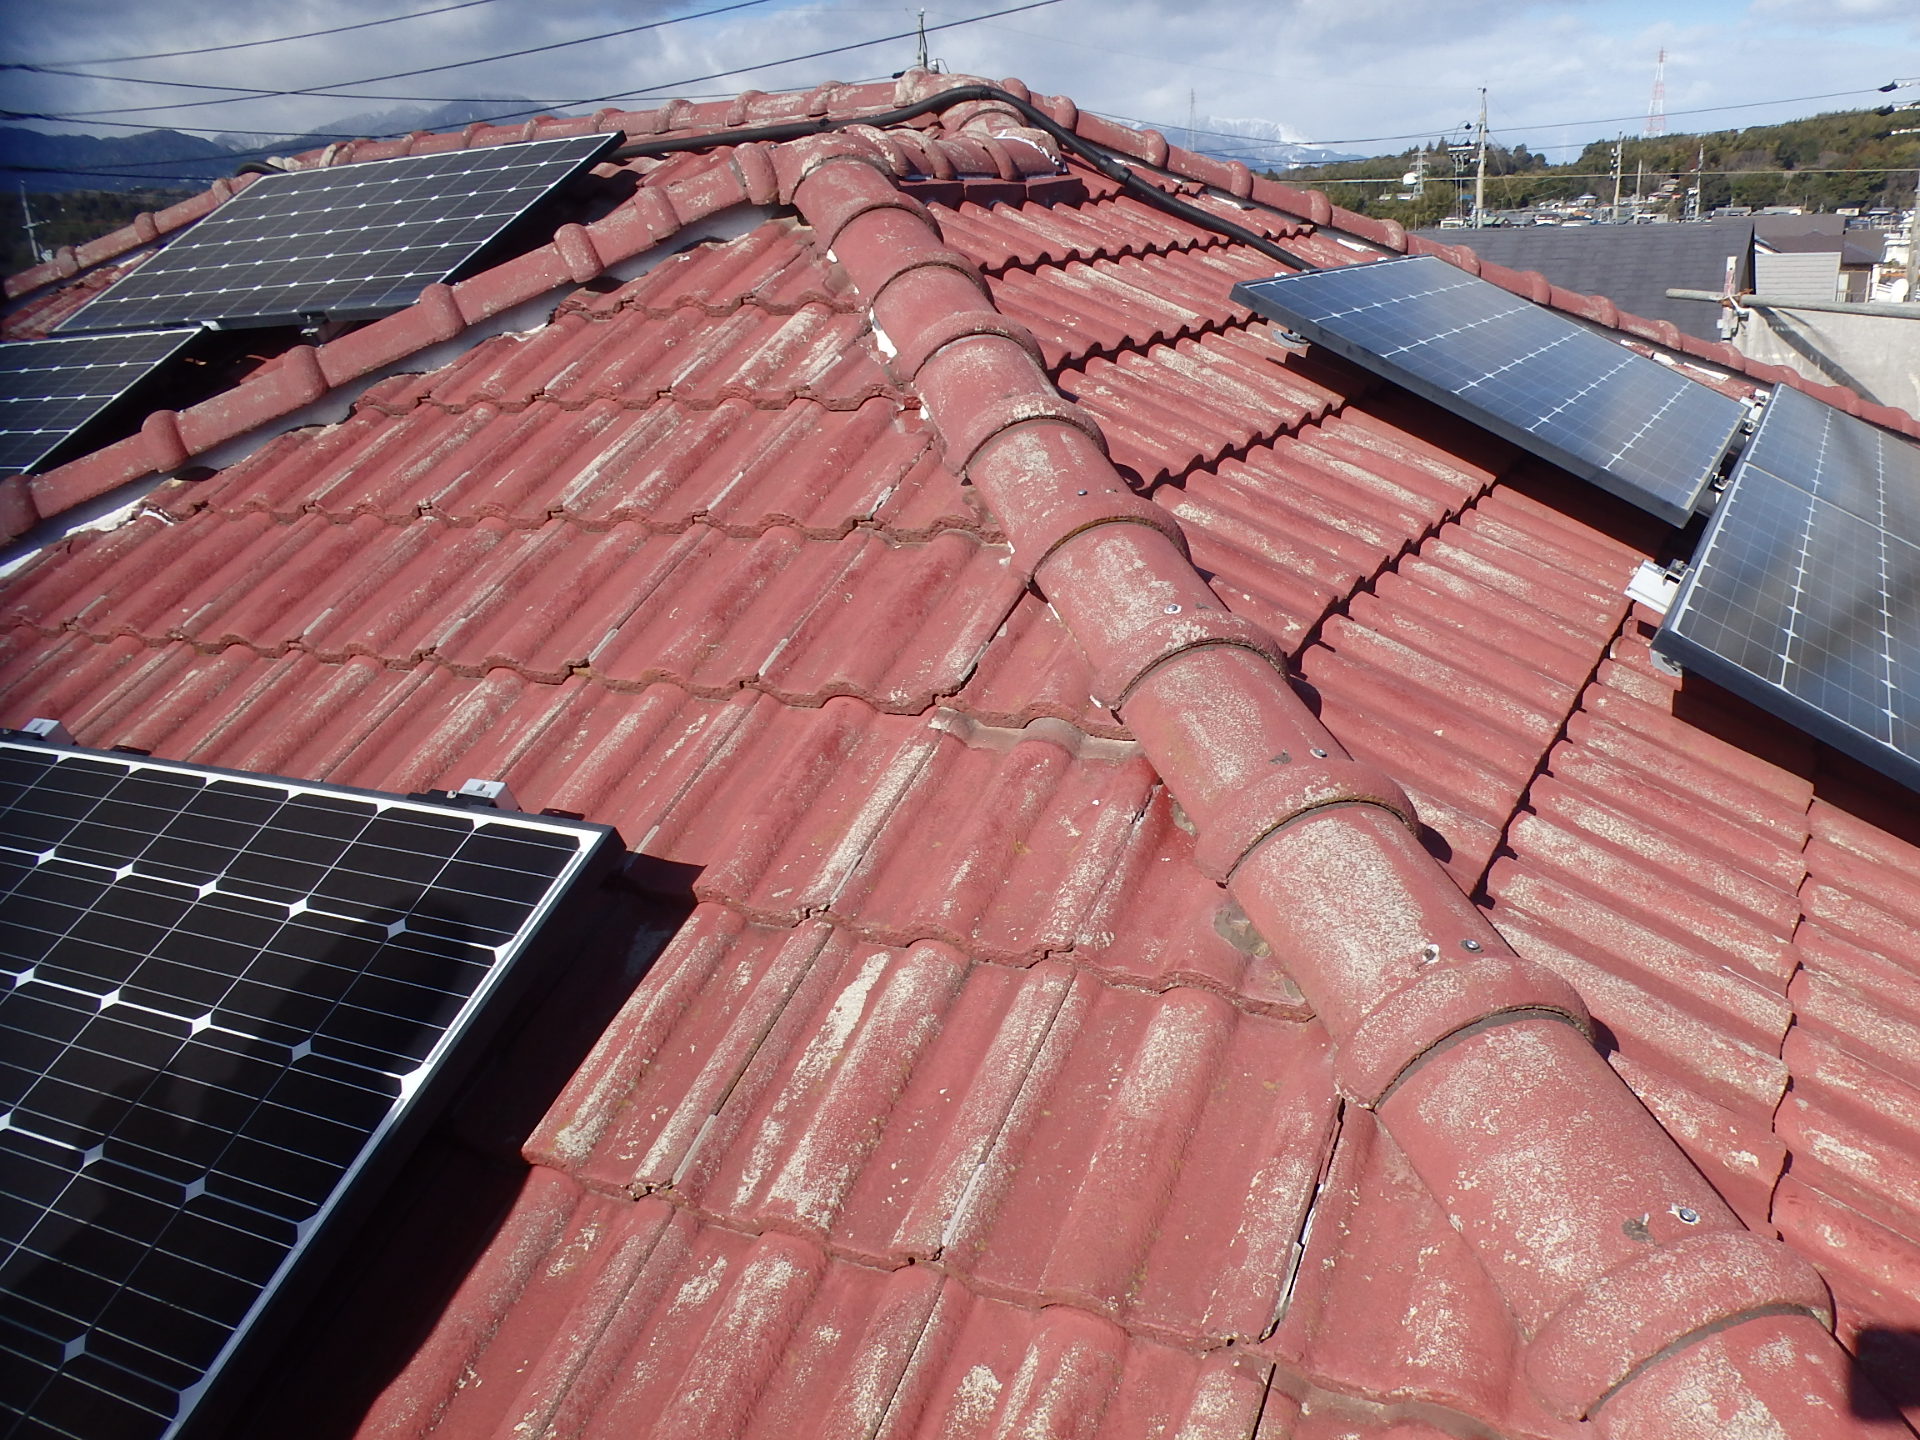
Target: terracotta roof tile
(624, 1318)
(965, 1102)
(1004, 1093)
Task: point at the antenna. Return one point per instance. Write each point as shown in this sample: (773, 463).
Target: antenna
(1657, 106)
(920, 59)
(1190, 104)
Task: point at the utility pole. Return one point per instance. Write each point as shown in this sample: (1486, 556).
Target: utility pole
(1913, 215)
(1190, 104)
(1696, 195)
(1619, 164)
(1480, 169)
(33, 241)
(920, 60)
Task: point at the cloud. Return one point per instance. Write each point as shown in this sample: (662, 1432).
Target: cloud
(1830, 12)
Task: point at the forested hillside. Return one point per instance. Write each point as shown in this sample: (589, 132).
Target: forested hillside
(1825, 162)
(70, 219)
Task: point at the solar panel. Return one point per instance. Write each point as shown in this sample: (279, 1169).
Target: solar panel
(1805, 595)
(226, 1001)
(345, 242)
(52, 390)
(1628, 424)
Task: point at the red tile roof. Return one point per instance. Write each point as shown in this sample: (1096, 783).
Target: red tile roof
(902, 526)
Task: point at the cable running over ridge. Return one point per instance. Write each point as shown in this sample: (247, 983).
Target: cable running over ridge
(1099, 157)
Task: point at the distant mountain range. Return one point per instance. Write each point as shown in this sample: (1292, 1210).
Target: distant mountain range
(165, 159)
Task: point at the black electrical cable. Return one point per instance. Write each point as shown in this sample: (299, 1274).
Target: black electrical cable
(1097, 156)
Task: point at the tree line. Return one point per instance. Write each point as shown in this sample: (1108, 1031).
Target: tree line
(1825, 162)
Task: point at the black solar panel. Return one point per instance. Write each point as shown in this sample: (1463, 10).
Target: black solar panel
(51, 390)
(1805, 595)
(225, 1000)
(1611, 416)
(345, 242)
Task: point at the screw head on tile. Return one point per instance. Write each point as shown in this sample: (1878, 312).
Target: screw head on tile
(1429, 953)
(1173, 609)
(1473, 945)
(1318, 753)
(1686, 1214)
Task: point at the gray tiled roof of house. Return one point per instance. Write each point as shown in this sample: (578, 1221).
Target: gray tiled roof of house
(1634, 265)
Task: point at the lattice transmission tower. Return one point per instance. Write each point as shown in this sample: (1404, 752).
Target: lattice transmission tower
(1657, 106)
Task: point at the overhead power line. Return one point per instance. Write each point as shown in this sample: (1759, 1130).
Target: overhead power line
(323, 91)
(1169, 127)
(251, 44)
(538, 110)
(1620, 119)
(1394, 183)
(103, 174)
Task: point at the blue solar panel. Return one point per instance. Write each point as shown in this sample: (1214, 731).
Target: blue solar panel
(1590, 405)
(51, 391)
(1805, 595)
(225, 1002)
(343, 242)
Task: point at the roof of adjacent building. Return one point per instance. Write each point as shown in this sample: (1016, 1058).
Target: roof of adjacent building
(1205, 918)
(1861, 247)
(1632, 265)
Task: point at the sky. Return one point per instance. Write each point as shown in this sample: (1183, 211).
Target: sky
(1362, 76)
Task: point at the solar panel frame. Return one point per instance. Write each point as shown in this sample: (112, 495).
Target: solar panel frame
(341, 242)
(53, 391)
(1534, 377)
(271, 1226)
(1804, 596)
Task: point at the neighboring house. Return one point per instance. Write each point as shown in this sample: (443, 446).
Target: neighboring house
(1632, 265)
(1827, 264)
(947, 590)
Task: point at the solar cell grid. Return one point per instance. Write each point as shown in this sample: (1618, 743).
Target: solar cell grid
(217, 995)
(1805, 594)
(1589, 405)
(51, 389)
(346, 242)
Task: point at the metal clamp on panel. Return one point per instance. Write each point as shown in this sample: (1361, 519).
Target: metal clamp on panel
(1054, 516)
(1688, 1287)
(1403, 1028)
(1166, 636)
(1283, 797)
